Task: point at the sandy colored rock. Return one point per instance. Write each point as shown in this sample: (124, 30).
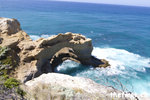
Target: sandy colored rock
(44, 55)
(9, 26)
(35, 58)
(55, 86)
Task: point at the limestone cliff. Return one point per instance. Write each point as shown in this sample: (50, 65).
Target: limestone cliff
(43, 55)
(34, 58)
(54, 86)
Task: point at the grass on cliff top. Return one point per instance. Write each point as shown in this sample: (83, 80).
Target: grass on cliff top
(5, 80)
(7, 61)
(11, 83)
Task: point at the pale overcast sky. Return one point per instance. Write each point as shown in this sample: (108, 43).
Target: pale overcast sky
(120, 2)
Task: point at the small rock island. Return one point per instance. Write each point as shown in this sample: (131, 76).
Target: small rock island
(33, 63)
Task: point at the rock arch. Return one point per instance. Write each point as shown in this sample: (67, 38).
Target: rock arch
(43, 55)
(56, 49)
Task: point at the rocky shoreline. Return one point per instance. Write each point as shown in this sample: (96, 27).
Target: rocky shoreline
(44, 55)
(33, 64)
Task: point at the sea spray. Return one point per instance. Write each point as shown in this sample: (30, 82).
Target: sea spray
(127, 69)
(36, 37)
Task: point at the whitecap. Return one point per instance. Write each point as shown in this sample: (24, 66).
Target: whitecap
(66, 65)
(122, 59)
(128, 67)
(36, 37)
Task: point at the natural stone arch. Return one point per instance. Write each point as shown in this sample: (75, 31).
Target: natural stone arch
(54, 50)
(36, 56)
(62, 47)
(63, 54)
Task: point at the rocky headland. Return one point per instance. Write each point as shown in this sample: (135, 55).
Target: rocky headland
(33, 63)
(44, 55)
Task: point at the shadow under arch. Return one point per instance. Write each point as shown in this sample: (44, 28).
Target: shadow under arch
(53, 51)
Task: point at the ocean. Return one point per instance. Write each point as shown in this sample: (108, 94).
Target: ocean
(120, 34)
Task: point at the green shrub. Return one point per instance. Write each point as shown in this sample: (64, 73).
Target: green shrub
(21, 92)
(5, 77)
(4, 51)
(11, 83)
(7, 61)
(5, 80)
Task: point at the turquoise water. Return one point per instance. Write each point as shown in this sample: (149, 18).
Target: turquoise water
(120, 34)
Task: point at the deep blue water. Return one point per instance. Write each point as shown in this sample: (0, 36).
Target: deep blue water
(120, 34)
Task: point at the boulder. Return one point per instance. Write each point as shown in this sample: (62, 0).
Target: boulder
(55, 86)
(9, 26)
(11, 42)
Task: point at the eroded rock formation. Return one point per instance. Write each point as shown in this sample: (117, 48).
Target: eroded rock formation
(63, 87)
(9, 26)
(33, 58)
(43, 55)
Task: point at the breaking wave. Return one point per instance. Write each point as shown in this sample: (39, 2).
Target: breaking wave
(36, 37)
(131, 70)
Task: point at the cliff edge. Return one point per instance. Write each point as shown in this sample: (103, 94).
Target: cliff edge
(44, 55)
(33, 63)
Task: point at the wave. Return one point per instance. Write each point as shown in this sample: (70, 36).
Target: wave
(66, 66)
(128, 67)
(35, 37)
(122, 62)
(120, 59)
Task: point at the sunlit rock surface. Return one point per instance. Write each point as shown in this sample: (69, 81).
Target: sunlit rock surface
(34, 58)
(43, 55)
(64, 87)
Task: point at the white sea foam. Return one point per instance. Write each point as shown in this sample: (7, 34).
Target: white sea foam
(68, 64)
(35, 37)
(129, 66)
(121, 62)
(125, 65)
(122, 59)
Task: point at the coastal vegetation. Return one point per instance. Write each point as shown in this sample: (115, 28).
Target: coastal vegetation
(26, 64)
(9, 87)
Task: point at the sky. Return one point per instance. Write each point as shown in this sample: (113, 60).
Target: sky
(145, 3)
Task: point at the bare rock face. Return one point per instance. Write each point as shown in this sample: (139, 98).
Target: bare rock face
(48, 53)
(35, 58)
(9, 26)
(11, 33)
(43, 55)
(81, 49)
(63, 87)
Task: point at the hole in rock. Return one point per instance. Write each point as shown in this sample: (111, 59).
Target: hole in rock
(70, 67)
(63, 61)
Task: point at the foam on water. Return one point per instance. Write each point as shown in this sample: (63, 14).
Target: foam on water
(106, 24)
(129, 68)
(35, 37)
(66, 65)
(122, 59)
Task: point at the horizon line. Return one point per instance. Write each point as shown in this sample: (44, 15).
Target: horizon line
(101, 3)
